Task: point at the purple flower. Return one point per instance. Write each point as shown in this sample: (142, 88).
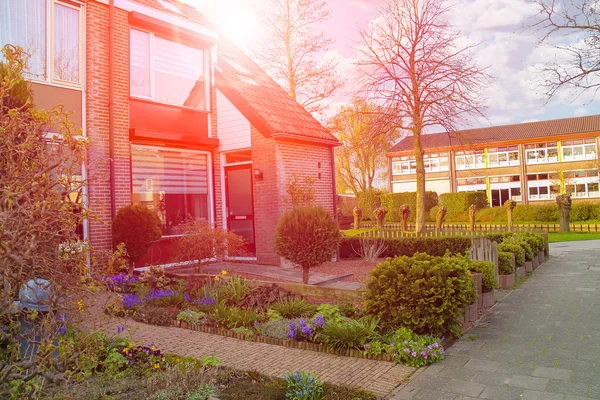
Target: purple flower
(443, 338)
(307, 330)
(436, 345)
(292, 334)
(414, 354)
(407, 350)
(442, 351)
(319, 321)
(434, 354)
(367, 347)
(131, 300)
(424, 354)
(120, 329)
(256, 324)
(62, 331)
(292, 326)
(186, 298)
(205, 301)
(302, 323)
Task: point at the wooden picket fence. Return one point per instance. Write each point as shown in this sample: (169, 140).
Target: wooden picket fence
(496, 227)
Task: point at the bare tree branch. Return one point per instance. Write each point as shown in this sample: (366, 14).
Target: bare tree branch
(413, 66)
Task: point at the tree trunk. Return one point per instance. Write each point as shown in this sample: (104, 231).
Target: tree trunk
(420, 170)
(305, 275)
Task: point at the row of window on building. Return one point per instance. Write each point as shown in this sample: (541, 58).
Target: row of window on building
(538, 153)
(540, 186)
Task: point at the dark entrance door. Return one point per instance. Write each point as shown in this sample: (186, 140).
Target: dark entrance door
(239, 207)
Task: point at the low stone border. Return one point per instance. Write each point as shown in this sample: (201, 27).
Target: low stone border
(318, 347)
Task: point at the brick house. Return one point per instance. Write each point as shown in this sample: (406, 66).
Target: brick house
(529, 163)
(177, 117)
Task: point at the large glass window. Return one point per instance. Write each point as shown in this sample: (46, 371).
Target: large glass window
(581, 149)
(28, 23)
(166, 71)
(539, 153)
(470, 159)
(503, 156)
(172, 183)
(435, 162)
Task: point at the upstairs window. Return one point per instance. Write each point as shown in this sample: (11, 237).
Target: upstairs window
(540, 153)
(435, 162)
(581, 149)
(503, 156)
(167, 72)
(469, 159)
(51, 32)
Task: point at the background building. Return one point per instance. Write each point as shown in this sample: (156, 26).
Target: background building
(526, 162)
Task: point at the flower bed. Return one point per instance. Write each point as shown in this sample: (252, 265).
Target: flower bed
(270, 314)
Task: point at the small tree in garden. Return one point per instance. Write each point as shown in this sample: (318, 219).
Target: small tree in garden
(38, 243)
(510, 206)
(201, 242)
(137, 226)
(307, 236)
(564, 209)
(357, 213)
(380, 214)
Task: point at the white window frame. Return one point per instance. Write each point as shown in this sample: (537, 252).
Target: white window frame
(48, 76)
(470, 160)
(409, 163)
(206, 69)
(584, 146)
(541, 160)
(506, 163)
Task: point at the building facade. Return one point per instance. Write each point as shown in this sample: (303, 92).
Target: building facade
(177, 118)
(528, 163)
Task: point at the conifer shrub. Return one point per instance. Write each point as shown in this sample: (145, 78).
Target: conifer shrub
(307, 236)
(515, 249)
(505, 263)
(486, 269)
(424, 293)
(137, 226)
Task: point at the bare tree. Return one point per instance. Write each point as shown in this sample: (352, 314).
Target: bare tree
(579, 19)
(291, 52)
(413, 63)
(366, 133)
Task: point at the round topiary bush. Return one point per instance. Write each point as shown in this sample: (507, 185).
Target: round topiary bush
(528, 250)
(505, 263)
(486, 269)
(307, 236)
(516, 249)
(136, 226)
(423, 293)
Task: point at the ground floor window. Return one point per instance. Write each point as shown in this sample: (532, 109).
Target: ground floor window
(174, 183)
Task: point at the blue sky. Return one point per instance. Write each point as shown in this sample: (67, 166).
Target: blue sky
(512, 52)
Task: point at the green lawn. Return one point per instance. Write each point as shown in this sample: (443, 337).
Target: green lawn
(572, 236)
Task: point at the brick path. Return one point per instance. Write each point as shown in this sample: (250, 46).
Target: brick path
(380, 377)
(541, 342)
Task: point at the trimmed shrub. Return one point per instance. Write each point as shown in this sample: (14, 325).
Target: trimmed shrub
(535, 240)
(409, 246)
(492, 214)
(393, 201)
(458, 203)
(276, 328)
(424, 293)
(498, 237)
(528, 251)
(486, 269)
(137, 226)
(307, 236)
(505, 265)
(368, 201)
(536, 212)
(516, 249)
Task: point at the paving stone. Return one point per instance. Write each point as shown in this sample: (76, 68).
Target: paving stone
(429, 394)
(553, 373)
(572, 397)
(433, 369)
(454, 372)
(483, 365)
(406, 393)
(494, 378)
(472, 389)
(537, 395)
(528, 382)
(429, 382)
(574, 388)
(501, 393)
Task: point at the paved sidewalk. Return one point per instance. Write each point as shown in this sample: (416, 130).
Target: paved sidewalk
(380, 377)
(541, 342)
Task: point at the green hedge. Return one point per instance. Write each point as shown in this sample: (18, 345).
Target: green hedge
(368, 201)
(424, 293)
(505, 264)
(457, 204)
(516, 249)
(536, 241)
(393, 201)
(435, 246)
(486, 269)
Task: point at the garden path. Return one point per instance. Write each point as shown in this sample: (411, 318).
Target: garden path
(540, 342)
(380, 377)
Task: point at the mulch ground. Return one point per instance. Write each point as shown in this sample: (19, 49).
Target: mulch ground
(359, 268)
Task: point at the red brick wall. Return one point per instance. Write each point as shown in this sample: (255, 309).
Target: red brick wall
(97, 117)
(279, 161)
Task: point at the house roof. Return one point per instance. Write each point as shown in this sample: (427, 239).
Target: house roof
(186, 11)
(261, 100)
(498, 134)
